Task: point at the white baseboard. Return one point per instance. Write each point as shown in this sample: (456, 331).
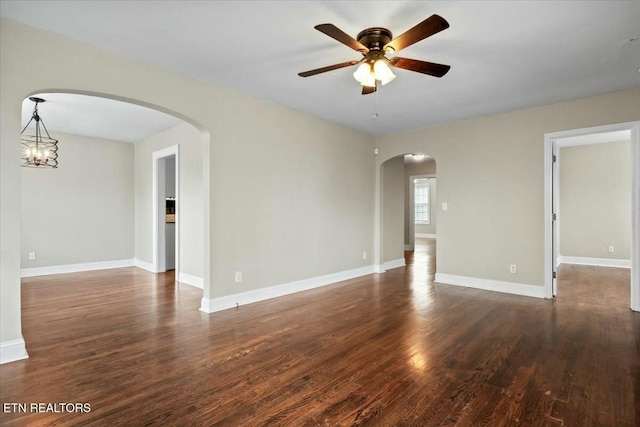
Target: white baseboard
(396, 263)
(188, 279)
(231, 301)
(144, 265)
(13, 350)
(491, 285)
(185, 278)
(599, 262)
(75, 268)
(426, 236)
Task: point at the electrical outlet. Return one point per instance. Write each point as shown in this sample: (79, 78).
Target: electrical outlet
(238, 276)
(611, 249)
(513, 269)
(444, 206)
(364, 255)
(32, 256)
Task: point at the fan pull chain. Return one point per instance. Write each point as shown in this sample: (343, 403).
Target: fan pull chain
(376, 114)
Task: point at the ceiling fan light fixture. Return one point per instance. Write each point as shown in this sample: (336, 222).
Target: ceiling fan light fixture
(364, 75)
(383, 72)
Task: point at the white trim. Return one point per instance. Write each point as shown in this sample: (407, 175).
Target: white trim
(555, 206)
(143, 265)
(599, 262)
(249, 297)
(396, 263)
(206, 226)
(550, 142)
(594, 138)
(635, 217)
(11, 351)
(549, 241)
(426, 236)
(408, 248)
(157, 200)
(491, 285)
(76, 268)
(188, 279)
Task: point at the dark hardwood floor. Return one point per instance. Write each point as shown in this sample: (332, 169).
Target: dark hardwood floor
(392, 349)
(594, 285)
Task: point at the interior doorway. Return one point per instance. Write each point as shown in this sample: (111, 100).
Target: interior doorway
(593, 218)
(166, 209)
(91, 198)
(402, 177)
(559, 252)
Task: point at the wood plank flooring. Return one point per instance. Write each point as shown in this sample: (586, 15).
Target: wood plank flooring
(594, 285)
(392, 349)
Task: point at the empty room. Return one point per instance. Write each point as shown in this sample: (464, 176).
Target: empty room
(320, 213)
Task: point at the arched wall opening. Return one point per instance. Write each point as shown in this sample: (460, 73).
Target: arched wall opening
(399, 176)
(197, 133)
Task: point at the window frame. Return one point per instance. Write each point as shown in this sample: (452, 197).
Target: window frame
(426, 221)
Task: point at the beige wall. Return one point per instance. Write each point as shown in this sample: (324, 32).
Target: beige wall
(491, 175)
(427, 167)
(595, 200)
(81, 212)
(290, 196)
(393, 210)
(191, 208)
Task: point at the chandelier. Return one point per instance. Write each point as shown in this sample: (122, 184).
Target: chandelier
(38, 150)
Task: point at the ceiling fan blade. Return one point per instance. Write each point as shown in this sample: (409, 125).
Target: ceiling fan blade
(430, 26)
(424, 67)
(329, 68)
(344, 38)
(366, 90)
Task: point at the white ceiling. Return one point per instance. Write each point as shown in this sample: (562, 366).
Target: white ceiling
(504, 55)
(97, 117)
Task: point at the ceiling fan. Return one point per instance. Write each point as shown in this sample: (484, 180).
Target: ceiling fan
(374, 43)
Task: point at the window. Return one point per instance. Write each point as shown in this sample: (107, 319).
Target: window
(421, 201)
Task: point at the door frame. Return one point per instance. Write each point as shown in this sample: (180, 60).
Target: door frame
(550, 189)
(159, 208)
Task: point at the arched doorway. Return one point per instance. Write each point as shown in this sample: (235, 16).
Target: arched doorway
(202, 137)
(398, 227)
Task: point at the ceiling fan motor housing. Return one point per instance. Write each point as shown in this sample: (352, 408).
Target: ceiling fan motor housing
(375, 38)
